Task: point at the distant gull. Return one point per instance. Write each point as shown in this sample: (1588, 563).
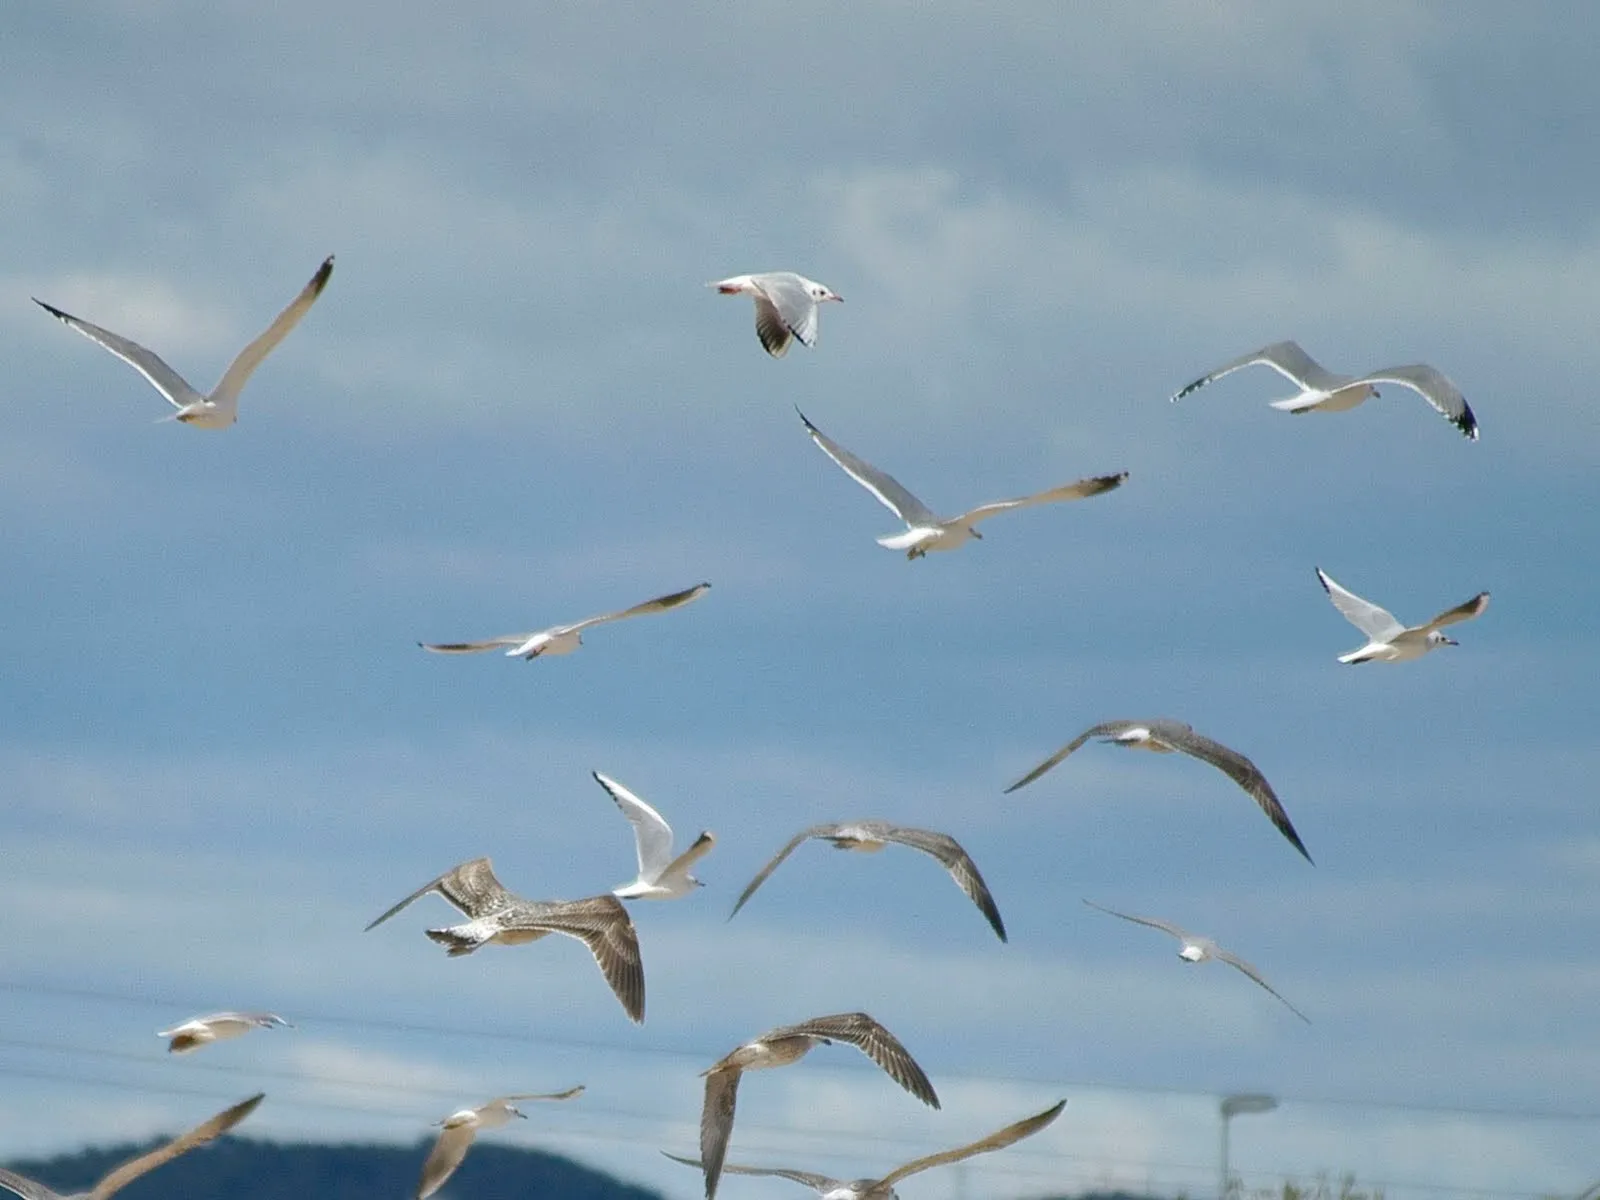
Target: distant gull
(1165, 736)
(1198, 949)
(782, 1046)
(1322, 390)
(925, 531)
(459, 1128)
(786, 306)
(1387, 639)
(563, 639)
(202, 1031)
(871, 836)
(122, 1176)
(599, 922)
(221, 408)
(661, 876)
(883, 1189)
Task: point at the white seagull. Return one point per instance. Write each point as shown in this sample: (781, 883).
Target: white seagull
(1322, 390)
(221, 408)
(925, 531)
(122, 1176)
(459, 1128)
(1197, 949)
(1387, 639)
(661, 876)
(202, 1031)
(1165, 736)
(563, 639)
(599, 922)
(782, 1046)
(872, 836)
(883, 1189)
(786, 306)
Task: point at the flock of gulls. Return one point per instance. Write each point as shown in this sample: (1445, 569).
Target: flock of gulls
(786, 311)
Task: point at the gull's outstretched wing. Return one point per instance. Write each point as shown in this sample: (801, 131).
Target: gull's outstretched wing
(1286, 358)
(449, 1149)
(817, 1183)
(471, 887)
(1080, 490)
(959, 863)
(872, 1039)
(566, 1095)
(997, 1140)
(165, 380)
(884, 486)
(716, 1124)
(198, 1136)
(504, 642)
(651, 834)
(1434, 387)
(28, 1189)
(600, 923)
(1152, 922)
(776, 859)
(1378, 624)
(659, 604)
(784, 307)
(1104, 729)
(1233, 960)
(240, 370)
(1461, 612)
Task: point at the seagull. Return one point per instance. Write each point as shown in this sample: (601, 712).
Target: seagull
(782, 1046)
(599, 922)
(1322, 390)
(1198, 949)
(1387, 639)
(1165, 736)
(459, 1128)
(883, 1189)
(202, 1031)
(563, 639)
(786, 306)
(924, 531)
(122, 1176)
(221, 408)
(872, 836)
(661, 877)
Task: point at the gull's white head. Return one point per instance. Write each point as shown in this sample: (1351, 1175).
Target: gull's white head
(820, 293)
(1437, 638)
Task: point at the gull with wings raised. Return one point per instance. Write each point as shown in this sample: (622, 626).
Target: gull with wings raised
(1387, 639)
(563, 639)
(661, 876)
(458, 1129)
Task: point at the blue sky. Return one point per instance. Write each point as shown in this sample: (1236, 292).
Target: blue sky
(516, 404)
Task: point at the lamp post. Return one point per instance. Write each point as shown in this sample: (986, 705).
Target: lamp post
(1232, 1106)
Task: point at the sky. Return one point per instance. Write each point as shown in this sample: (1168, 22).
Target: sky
(516, 404)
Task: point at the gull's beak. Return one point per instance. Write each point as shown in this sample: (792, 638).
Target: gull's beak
(1451, 642)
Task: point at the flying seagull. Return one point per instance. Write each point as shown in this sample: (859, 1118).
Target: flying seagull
(883, 1189)
(599, 922)
(786, 306)
(1387, 639)
(1198, 949)
(563, 639)
(122, 1176)
(872, 836)
(202, 1031)
(661, 876)
(459, 1128)
(1322, 390)
(1166, 736)
(782, 1046)
(221, 408)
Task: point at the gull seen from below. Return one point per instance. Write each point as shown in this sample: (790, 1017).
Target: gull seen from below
(1196, 949)
(883, 1189)
(872, 836)
(1387, 639)
(782, 1046)
(599, 922)
(1322, 390)
(202, 1031)
(786, 306)
(459, 1128)
(125, 1174)
(1165, 737)
(221, 408)
(661, 877)
(564, 639)
(926, 532)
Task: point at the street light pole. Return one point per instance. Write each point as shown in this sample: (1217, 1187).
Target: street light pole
(1232, 1106)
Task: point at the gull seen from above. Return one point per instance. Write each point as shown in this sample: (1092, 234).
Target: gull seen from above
(661, 877)
(1387, 639)
(786, 306)
(564, 639)
(221, 408)
(926, 532)
(599, 922)
(1196, 949)
(1166, 736)
(459, 1128)
(1322, 390)
(883, 1189)
(872, 836)
(202, 1031)
(782, 1046)
(125, 1174)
